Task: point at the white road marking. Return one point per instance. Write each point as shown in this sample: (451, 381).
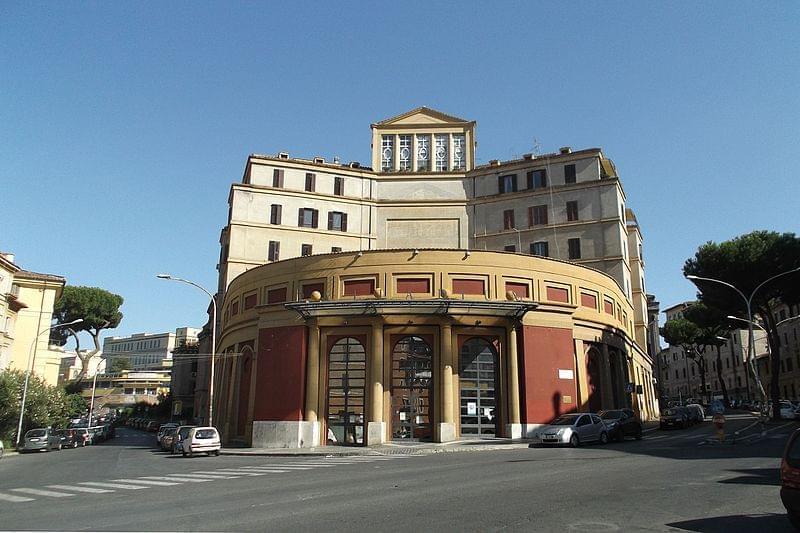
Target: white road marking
(287, 467)
(174, 477)
(234, 472)
(147, 482)
(39, 492)
(15, 499)
(205, 476)
(79, 489)
(113, 485)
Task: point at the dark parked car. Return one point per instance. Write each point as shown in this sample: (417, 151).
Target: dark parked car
(622, 423)
(675, 417)
(69, 438)
(790, 478)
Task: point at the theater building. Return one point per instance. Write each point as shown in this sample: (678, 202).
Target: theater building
(425, 298)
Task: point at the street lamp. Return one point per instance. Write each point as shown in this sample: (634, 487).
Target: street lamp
(29, 369)
(748, 303)
(519, 239)
(213, 338)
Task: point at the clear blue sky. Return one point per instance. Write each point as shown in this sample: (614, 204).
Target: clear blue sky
(122, 125)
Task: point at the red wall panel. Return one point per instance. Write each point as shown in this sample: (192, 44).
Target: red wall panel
(280, 383)
(359, 287)
(468, 286)
(557, 294)
(543, 352)
(588, 300)
(413, 285)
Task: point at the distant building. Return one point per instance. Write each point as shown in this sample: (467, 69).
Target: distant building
(147, 351)
(26, 310)
(788, 324)
(71, 366)
(183, 381)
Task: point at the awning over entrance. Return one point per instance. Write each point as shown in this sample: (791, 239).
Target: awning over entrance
(445, 307)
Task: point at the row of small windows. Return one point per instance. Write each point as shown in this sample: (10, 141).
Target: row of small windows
(138, 345)
(309, 218)
(274, 250)
(542, 248)
(537, 215)
(405, 153)
(535, 179)
(310, 182)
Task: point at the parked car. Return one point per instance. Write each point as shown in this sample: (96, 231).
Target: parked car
(622, 423)
(163, 429)
(787, 410)
(696, 413)
(152, 426)
(68, 438)
(199, 440)
(181, 433)
(82, 436)
(2, 450)
(674, 417)
(41, 439)
(575, 429)
(790, 478)
(168, 439)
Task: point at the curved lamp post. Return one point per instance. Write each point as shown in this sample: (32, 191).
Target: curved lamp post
(29, 369)
(213, 338)
(748, 304)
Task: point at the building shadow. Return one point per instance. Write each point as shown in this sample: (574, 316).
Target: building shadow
(774, 523)
(756, 476)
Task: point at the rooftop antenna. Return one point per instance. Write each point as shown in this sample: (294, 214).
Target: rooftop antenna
(537, 147)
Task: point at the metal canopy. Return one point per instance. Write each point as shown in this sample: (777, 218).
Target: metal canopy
(308, 309)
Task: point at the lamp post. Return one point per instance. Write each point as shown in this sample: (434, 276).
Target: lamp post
(748, 304)
(519, 239)
(213, 339)
(29, 369)
(91, 401)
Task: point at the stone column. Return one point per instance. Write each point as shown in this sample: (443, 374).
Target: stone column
(514, 426)
(311, 431)
(447, 426)
(376, 427)
(606, 395)
(581, 379)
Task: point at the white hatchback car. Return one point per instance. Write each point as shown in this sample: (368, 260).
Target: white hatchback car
(201, 439)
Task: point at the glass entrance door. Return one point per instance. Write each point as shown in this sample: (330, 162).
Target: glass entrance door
(347, 371)
(412, 382)
(477, 369)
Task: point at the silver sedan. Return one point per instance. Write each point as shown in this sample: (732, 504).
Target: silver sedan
(575, 429)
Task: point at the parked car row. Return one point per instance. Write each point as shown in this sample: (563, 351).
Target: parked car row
(48, 439)
(682, 417)
(575, 429)
(145, 424)
(188, 440)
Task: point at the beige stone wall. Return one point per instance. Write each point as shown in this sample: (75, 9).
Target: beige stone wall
(39, 296)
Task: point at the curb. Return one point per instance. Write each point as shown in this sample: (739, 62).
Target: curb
(249, 452)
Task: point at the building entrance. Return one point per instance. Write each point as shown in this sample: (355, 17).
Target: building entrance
(347, 372)
(412, 394)
(477, 379)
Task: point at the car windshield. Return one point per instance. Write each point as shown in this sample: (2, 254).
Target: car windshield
(205, 434)
(611, 415)
(36, 433)
(566, 420)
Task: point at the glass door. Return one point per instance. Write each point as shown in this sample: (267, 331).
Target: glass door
(347, 373)
(412, 395)
(477, 369)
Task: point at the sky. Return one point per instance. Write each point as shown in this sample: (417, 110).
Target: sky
(123, 125)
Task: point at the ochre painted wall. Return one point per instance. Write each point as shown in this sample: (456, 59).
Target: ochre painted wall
(280, 384)
(545, 351)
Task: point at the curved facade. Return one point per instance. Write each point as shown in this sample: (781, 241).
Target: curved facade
(361, 348)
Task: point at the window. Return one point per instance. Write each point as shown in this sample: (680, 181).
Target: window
(441, 153)
(338, 186)
(311, 181)
(404, 155)
(540, 248)
(684, 373)
(789, 365)
(307, 218)
(572, 211)
(275, 214)
(537, 179)
(277, 178)
(387, 153)
(336, 249)
(337, 221)
(423, 153)
(510, 248)
(574, 248)
(507, 184)
(569, 173)
(459, 152)
(274, 251)
(250, 301)
(359, 287)
(305, 249)
(508, 219)
(537, 215)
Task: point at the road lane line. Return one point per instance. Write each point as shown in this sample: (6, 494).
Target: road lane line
(113, 485)
(147, 482)
(174, 477)
(268, 470)
(39, 492)
(79, 489)
(15, 499)
(216, 474)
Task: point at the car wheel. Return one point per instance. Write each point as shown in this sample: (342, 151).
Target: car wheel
(59, 447)
(574, 441)
(216, 453)
(603, 438)
(794, 518)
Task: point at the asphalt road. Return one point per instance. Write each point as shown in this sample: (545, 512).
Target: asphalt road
(669, 481)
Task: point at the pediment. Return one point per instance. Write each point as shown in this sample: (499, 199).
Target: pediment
(422, 116)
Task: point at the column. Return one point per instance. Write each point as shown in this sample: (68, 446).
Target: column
(581, 379)
(514, 426)
(376, 427)
(447, 426)
(312, 426)
(606, 395)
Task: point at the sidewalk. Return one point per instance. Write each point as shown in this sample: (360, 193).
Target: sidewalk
(415, 448)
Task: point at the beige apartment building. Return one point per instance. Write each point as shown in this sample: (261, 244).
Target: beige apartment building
(147, 351)
(788, 323)
(26, 310)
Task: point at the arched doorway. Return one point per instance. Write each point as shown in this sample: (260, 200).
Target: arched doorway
(593, 369)
(412, 389)
(243, 404)
(478, 388)
(347, 372)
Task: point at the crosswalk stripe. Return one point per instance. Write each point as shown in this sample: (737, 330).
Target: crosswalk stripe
(323, 465)
(79, 489)
(112, 485)
(173, 477)
(217, 474)
(285, 467)
(204, 476)
(15, 499)
(39, 492)
(148, 482)
(234, 472)
(269, 470)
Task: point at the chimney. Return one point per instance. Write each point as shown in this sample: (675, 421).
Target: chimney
(527, 157)
(319, 160)
(494, 163)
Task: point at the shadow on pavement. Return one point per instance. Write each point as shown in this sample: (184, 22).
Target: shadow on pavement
(773, 523)
(756, 476)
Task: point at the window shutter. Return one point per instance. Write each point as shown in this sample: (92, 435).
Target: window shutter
(300, 217)
(514, 183)
(277, 214)
(314, 218)
(330, 219)
(344, 221)
(530, 179)
(277, 250)
(500, 184)
(530, 216)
